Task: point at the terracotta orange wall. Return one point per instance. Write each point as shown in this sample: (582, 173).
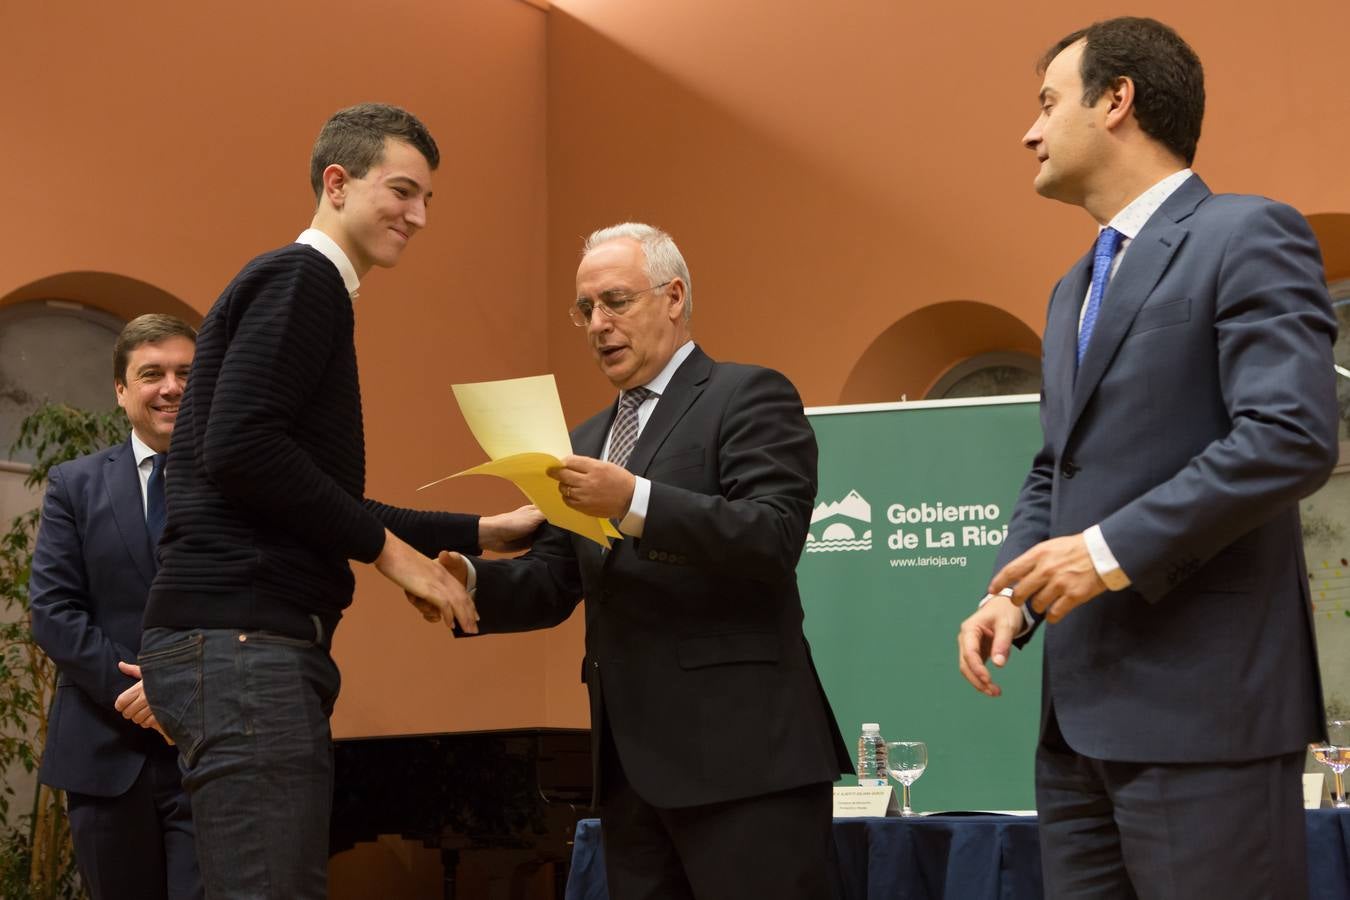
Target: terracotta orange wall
(169, 143)
(830, 168)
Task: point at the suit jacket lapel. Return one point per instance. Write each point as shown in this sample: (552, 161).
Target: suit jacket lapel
(589, 438)
(1061, 336)
(684, 388)
(123, 484)
(1147, 259)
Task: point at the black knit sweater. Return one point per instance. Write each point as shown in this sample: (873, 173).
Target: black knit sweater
(265, 478)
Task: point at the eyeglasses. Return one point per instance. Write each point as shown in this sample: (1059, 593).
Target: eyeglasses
(611, 304)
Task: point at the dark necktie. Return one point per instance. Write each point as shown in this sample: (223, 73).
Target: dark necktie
(624, 437)
(154, 499)
(1108, 242)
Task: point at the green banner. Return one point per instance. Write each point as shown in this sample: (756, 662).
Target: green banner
(914, 502)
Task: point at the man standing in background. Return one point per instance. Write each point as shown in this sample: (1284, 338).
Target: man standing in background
(92, 567)
(713, 743)
(1188, 405)
(266, 506)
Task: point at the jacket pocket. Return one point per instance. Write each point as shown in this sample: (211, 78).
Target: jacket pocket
(688, 458)
(723, 649)
(173, 686)
(1163, 315)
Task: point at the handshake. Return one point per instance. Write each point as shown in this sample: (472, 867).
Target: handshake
(437, 587)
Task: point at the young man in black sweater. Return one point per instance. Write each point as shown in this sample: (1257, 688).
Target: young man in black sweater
(265, 486)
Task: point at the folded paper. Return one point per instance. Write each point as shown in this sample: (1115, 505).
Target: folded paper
(519, 424)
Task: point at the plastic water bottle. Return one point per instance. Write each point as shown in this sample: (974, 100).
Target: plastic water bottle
(871, 756)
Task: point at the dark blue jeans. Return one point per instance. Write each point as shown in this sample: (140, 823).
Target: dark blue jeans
(249, 712)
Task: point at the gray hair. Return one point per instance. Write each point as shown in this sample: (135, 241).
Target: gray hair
(663, 261)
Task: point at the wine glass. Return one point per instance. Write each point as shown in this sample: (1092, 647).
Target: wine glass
(905, 761)
(1335, 753)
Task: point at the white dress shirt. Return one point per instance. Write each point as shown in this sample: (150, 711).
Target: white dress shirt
(144, 466)
(329, 248)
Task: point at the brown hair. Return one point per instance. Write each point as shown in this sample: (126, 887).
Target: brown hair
(354, 139)
(150, 328)
(1169, 82)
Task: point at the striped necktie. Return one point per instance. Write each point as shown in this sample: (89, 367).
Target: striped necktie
(624, 437)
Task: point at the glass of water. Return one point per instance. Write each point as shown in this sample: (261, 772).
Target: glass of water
(905, 761)
(1335, 753)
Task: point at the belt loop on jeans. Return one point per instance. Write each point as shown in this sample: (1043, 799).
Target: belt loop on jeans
(318, 630)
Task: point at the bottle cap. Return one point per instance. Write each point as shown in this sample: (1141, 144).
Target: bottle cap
(871, 728)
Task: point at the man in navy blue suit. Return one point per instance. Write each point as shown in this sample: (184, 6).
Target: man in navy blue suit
(1188, 404)
(92, 568)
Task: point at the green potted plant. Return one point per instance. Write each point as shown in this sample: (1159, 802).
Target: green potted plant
(36, 861)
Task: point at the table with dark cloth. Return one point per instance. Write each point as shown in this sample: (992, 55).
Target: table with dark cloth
(962, 857)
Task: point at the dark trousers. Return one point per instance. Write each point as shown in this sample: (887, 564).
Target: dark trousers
(138, 846)
(249, 712)
(1171, 831)
(772, 846)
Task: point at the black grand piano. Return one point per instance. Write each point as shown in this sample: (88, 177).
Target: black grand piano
(522, 789)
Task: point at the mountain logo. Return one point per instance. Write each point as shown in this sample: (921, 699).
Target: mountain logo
(835, 526)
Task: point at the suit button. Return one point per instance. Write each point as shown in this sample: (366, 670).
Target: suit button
(651, 554)
(1068, 468)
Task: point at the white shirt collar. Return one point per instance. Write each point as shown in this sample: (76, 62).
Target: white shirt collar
(1131, 220)
(141, 449)
(659, 384)
(329, 248)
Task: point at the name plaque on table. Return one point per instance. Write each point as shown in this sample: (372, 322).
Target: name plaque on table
(1312, 790)
(850, 801)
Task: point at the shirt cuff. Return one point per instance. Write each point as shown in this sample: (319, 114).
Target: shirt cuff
(632, 523)
(471, 582)
(1028, 620)
(1104, 561)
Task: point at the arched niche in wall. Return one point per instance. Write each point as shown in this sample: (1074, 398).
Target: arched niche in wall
(912, 356)
(1326, 514)
(1340, 302)
(56, 342)
(1333, 233)
(994, 374)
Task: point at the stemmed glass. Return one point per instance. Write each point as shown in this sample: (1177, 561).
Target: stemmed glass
(905, 761)
(1336, 754)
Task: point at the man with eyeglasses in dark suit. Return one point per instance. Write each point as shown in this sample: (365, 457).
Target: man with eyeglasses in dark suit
(714, 745)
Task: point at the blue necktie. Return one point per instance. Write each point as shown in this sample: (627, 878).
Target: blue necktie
(1108, 242)
(154, 499)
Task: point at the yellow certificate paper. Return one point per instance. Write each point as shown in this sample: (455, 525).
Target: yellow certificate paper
(519, 424)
